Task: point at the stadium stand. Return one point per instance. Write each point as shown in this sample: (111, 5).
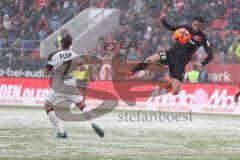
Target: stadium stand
(141, 24)
(23, 24)
(28, 22)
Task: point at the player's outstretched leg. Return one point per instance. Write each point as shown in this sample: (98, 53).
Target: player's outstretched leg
(57, 123)
(88, 114)
(140, 66)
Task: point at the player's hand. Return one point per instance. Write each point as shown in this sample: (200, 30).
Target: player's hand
(125, 72)
(48, 73)
(163, 17)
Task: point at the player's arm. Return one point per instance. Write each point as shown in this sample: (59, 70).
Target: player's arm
(167, 25)
(208, 50)
(48, 71)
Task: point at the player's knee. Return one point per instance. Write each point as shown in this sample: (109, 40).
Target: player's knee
(152, 59)
(149, 60)
(48, 107)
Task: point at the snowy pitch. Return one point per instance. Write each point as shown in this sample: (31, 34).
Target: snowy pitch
(26, 133)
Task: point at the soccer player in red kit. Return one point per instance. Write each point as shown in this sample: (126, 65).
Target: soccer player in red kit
(179, 55)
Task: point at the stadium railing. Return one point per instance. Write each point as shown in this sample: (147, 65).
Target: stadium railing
(22, 46)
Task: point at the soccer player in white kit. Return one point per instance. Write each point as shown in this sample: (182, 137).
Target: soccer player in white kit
(57, 62)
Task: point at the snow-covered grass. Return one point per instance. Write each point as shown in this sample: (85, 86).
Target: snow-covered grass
(26, 133)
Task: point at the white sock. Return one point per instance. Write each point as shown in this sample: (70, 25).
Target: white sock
(56, 121)
(87, 113)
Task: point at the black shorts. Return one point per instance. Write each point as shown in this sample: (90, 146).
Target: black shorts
(176, 68)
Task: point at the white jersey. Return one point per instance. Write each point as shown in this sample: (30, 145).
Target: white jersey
(58, 58)
(64, 63)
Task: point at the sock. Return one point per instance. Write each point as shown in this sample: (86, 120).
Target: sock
(56, 121)
(139, 67)
(87, 113)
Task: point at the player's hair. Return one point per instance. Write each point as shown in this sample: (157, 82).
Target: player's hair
(199, 19)
(66, 41)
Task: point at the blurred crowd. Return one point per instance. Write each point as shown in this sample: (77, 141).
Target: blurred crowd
(24, 20)
(140, 23)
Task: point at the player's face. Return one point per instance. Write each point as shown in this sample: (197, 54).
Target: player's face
(196, 26)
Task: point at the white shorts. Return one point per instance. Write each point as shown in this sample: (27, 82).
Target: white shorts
(54, 97)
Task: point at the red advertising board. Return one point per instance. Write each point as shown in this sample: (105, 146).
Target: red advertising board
(196, 97)
(218, 73)
(23, 91)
